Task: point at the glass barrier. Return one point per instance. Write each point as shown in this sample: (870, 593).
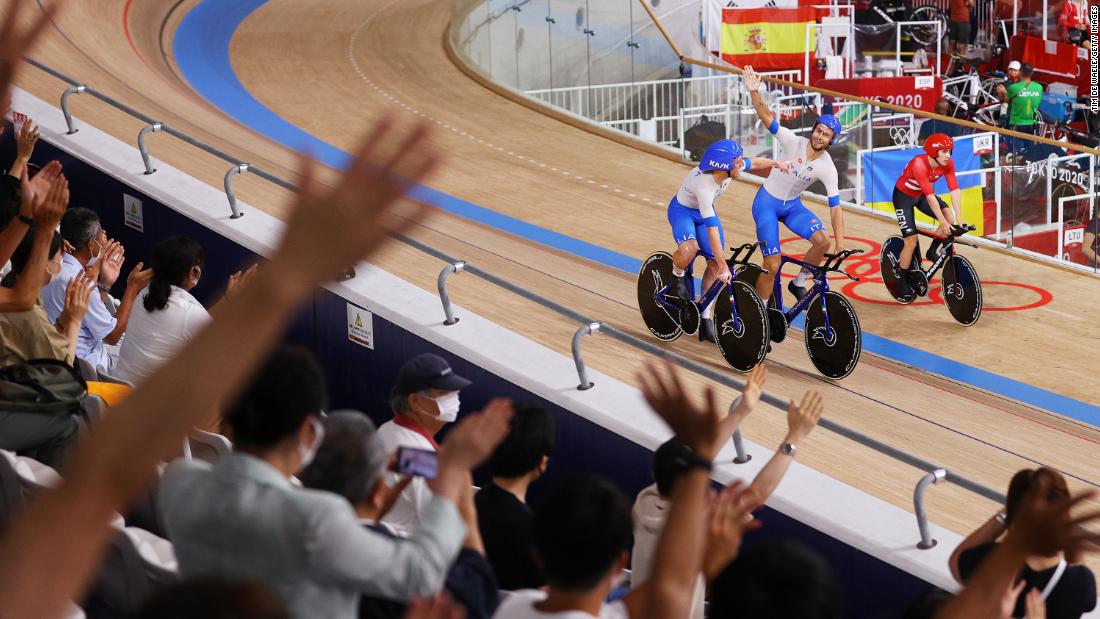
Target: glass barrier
(607, 61)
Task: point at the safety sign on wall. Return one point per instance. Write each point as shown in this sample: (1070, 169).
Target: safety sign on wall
(360, 326)
(132, 213)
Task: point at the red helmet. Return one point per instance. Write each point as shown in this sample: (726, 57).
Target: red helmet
(937, 142)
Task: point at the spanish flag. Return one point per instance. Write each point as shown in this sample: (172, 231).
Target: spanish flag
(882, 169)
(767, 38)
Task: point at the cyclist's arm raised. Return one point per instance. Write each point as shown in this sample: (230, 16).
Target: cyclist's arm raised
(763, 163)
(752, 84)
(836, 212)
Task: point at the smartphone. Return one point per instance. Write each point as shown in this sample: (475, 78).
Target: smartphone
(416, 462)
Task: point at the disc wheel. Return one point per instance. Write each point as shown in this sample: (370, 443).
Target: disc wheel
(962, 291)
(834, 348)
(654, 276)
(742, 341)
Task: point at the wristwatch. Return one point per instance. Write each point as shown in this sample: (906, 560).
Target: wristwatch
(787, 449)
(104, 288)
(686, 459)
(27, 219)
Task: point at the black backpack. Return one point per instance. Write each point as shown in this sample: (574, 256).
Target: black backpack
(41, 386)
(701, 135)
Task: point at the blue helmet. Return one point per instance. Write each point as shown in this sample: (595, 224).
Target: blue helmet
(720, 156)
(831, 122)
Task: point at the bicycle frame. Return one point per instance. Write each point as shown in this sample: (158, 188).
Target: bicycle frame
(821, 286)
(708, 296)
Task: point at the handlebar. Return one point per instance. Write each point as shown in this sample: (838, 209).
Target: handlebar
(750, 247)
(833, 261)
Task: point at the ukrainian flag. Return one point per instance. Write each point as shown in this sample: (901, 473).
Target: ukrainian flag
(882, 169)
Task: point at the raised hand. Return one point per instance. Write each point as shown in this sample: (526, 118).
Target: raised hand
(16, 43)
(803, 418)
(1043, 525)
(77, 293)
(238, 279)
(28, 137)
(702, 427)
(752, 80)
(352, 220)
(110, 261)
(49, 208)
(139, 278)
(31, 188)
(730, 519)
(474, 438)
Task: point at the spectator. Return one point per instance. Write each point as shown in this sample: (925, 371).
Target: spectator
(10, 182)
(1069, 589)
(1023, 99)
(168, 316)
(351, 462)
(53, 545)
(652, 504)
(18, 217)
(424, 400)
(242, 517)
(935, 125)
(504, 518)
(959, 28)
(213, 598)
(776, 578)
(1090, 244)
(582, 533)
(104, 323)
(30, 334)
(1041, 526)
(1072, 21)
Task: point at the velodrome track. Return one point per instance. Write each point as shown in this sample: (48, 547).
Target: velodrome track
(330, 67)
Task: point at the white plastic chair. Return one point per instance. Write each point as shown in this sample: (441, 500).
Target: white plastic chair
(136, 565)
(208, 446)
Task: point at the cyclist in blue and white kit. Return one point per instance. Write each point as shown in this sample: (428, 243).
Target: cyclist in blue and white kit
(695, 225)
(778, 199)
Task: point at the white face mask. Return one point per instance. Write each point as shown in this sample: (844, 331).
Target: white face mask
(448, 407)
(307, 453)
(95, 257)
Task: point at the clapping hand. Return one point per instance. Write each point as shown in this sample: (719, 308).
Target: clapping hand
(703, 427)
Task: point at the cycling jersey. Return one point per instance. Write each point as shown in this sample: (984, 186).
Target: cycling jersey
(803, 172)
(919, 175)
(700, 191)
(691, 211)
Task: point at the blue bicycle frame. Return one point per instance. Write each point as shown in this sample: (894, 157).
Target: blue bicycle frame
(820, 287)
(708, 296)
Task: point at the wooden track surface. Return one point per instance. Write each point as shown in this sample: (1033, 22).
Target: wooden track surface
(331, 67)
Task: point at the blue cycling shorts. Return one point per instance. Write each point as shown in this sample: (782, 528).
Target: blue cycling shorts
(688, 225)
(768, 211)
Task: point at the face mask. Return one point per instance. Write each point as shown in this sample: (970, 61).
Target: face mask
(95, 257)
(307, 453)
(448, 407)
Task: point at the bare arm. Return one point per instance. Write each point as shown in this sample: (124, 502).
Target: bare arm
(801, 420)
(53, 545)
(47, 213)
(836, 215)
(989, 532)
(752, 84)
(716, 246)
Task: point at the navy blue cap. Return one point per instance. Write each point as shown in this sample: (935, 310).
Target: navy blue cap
(427, 371)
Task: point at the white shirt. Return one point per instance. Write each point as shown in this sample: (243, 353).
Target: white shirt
(521, 605)
(98, 321)
(155, 337)
(785, 186)
(407, 511)
(699, 191)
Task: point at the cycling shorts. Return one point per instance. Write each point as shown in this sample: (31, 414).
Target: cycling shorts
(904, 205)
(688, 225)
(768, 211)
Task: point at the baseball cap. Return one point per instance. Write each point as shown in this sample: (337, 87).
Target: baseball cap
(1014, 65)
(427, 371)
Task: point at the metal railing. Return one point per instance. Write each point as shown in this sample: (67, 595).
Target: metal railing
(587, 325)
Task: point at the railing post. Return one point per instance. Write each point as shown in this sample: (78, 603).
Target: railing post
(70, 91)
(934, 477)
(235, 170)
(441, 283)
(582, 372)
(143, 149)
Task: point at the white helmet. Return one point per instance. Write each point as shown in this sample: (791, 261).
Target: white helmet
(1014, 65)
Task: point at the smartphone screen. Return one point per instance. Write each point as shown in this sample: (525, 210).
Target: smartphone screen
(417, 462)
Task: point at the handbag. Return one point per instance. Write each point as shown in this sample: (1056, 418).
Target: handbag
(44, 386)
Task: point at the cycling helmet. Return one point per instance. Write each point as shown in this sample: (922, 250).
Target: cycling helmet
(720, 156)
(831, 122)
(937, 142)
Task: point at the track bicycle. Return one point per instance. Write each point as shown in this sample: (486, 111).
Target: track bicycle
(962, 289)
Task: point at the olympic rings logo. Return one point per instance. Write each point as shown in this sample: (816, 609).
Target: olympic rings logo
(865, 266)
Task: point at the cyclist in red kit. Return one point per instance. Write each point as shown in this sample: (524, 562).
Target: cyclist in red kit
(914, 191)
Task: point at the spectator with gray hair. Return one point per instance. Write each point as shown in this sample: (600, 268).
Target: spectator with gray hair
(351, 462)
(91, 252)
(424, 400)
